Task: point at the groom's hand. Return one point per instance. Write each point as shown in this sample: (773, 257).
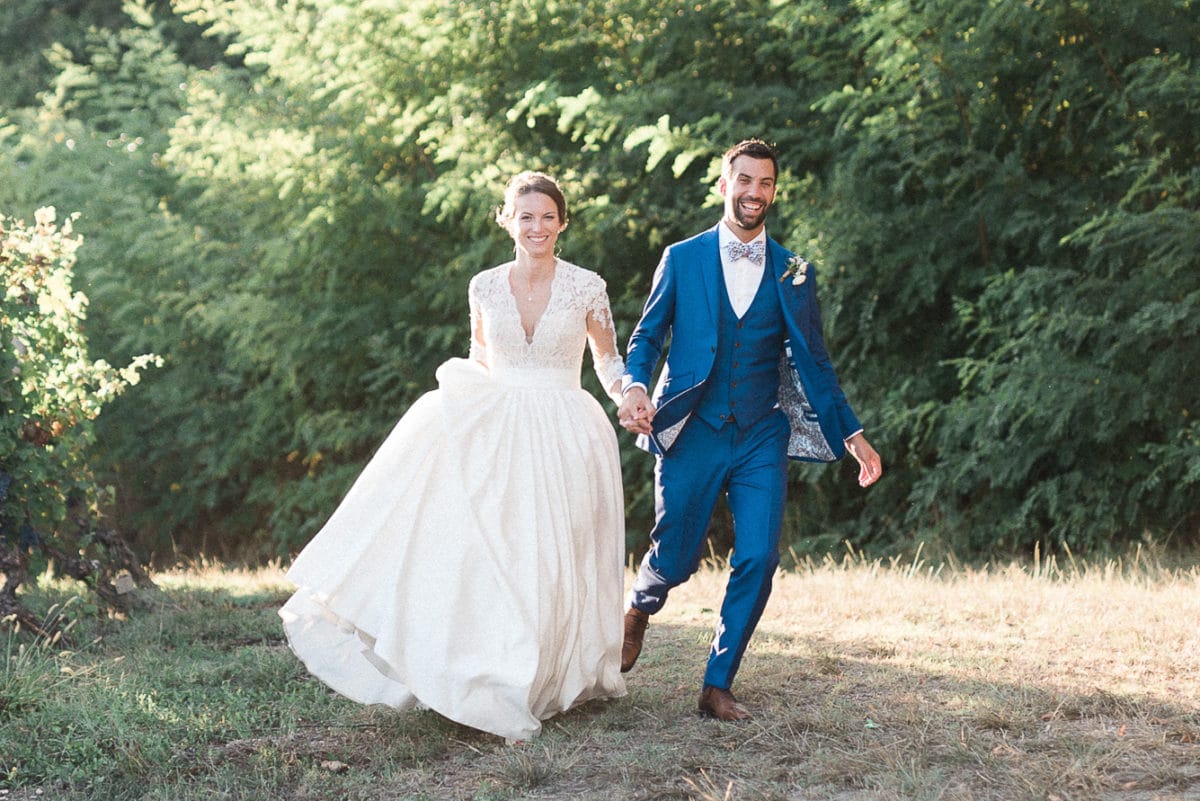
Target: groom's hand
(870, 467)
(636, 412)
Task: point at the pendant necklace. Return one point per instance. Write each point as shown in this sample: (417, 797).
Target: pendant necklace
(529, 285)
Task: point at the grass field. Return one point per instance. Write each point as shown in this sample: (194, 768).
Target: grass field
(869, 681)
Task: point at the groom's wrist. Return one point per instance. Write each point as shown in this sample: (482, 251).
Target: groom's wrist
(629, 384)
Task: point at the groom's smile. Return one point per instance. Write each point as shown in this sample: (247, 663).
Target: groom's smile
(752, 213)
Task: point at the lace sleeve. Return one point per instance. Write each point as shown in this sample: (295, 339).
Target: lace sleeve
(602, 337)
(478, 351)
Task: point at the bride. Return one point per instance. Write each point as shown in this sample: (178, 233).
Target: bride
(476, 565)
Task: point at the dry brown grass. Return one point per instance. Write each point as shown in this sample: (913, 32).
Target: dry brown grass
(875, 681)
(1012, 683)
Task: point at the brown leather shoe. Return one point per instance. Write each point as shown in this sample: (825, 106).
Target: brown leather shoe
(720, 704)
(635, 629)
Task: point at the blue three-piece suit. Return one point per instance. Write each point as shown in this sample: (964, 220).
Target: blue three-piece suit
(736, 398)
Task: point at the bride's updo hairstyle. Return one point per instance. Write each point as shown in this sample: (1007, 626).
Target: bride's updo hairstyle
(524, 183)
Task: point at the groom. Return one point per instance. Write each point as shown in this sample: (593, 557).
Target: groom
(747, 383)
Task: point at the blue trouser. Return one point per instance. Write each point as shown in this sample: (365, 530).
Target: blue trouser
(750, 467)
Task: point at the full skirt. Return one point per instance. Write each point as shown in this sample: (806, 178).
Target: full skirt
(476, 565)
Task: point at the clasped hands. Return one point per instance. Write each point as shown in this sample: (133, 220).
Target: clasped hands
(636, 412)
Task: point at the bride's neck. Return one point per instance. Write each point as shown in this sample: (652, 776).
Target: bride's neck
(536, 268)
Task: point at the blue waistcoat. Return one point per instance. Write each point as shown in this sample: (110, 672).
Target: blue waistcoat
(744, 382)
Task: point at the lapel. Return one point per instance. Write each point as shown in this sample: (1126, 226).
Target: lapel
(710, 272)
(789, 299)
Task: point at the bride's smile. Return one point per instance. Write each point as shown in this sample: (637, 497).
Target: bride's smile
(537, 225)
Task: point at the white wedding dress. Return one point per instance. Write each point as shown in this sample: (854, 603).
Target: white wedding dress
(476, 565)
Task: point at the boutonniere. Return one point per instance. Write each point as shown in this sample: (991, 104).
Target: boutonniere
(797, 268)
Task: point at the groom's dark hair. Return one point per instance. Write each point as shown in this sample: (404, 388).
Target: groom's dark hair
(755, 149)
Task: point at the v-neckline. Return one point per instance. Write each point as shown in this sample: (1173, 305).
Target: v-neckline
(530, 336)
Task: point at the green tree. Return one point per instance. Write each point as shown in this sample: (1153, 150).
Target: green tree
(96, 146)
(28, 28)
(1013, 196)
(999, 200)
(396, 155)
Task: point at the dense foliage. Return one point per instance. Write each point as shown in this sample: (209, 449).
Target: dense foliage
(1002, 200)
(50, 392)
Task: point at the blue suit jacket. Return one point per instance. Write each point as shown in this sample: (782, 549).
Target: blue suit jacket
(683, 307)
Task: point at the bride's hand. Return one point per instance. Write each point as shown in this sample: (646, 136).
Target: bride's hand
(636, 412)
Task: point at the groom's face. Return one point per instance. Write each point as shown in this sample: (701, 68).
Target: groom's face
(749, 190)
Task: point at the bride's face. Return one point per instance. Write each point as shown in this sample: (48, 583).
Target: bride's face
(535, 225)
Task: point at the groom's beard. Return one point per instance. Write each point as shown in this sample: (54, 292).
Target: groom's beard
(749, 222)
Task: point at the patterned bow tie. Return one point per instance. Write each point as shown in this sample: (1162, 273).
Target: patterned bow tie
(754, 251)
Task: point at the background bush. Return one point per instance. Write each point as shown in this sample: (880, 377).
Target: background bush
(50, 392)
(286, 202)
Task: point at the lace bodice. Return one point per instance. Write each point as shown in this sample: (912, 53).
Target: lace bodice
(577, 313)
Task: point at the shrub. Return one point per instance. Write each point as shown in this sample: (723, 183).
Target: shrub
(50, 502)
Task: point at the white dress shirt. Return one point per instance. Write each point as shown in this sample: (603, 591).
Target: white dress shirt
(742, 277)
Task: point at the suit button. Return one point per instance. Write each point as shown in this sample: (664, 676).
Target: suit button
(722, 417)
(737, 344)
(736, 364)
(733, 384)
